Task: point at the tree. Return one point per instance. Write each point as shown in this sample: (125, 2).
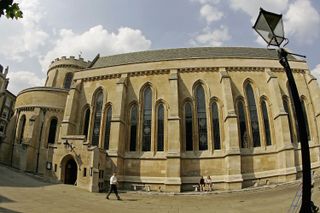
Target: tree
(10, 9)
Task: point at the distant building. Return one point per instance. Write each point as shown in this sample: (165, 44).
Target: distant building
(7, 100)
(165, 118)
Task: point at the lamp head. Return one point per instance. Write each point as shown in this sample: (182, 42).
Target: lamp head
(270, 27)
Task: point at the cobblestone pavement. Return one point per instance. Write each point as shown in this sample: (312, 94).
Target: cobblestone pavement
(22, 193)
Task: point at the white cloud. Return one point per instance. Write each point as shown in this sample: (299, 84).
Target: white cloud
(252, 8)
(212, 37)
(23, 37)
(23, 79)
(206, 1)
(210, 13)
(96, 40)
(302, 21)
(316, 73)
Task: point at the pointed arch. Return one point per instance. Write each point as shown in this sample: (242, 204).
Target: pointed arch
(85, 119)
(215, 120)
(286, 106)
(253, 113)
(108, 115)
(22, 125)
(188, 125)
(146, 117)
(242, 120)
(97, 115)
(52, 130)
(200, 99)
(266, 121)
(133, 123)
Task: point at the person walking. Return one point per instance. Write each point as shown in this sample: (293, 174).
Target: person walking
(113, 186)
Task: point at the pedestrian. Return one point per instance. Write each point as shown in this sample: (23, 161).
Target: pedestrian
(208, 182)
(113, 186)
(201, 182)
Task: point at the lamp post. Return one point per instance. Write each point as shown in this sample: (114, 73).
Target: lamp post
(270, 27)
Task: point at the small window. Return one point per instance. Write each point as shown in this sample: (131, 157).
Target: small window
(160, 128)
(147, 114)
(133, 128)
(52, 131)
(188, 126)
(266, 123)
(2, 127)
(5, 113)
(84, 172)
(215, 126)
(86, 122)
(107, 128)
(97, 118)
(243, 127)
(68, 80)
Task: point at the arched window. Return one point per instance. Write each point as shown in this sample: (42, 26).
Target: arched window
(133, 127)
(286, 108)
(160, 128)
(68, 80)
(266, 123)
(97, 118)
(107, 128)
(215, 126)
(52, 131)
(243, 127)
(22, 126)
(202, 118)
(86, 122)
(305, 118)
(147, 114)
(188, 126)
(252, 108)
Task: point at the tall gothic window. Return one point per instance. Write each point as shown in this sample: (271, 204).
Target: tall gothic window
(147, 114)
(305, 118)
(160, 128)
(107, 128)
(68, 80)
(22, 126)
(215, 126)
(188, 126)
(252, 108)
(202, 118)
(52, 131)
(266, 123)
(286, 108)
(133, 127)
(243, 127)
(86, 122)
(97, 118)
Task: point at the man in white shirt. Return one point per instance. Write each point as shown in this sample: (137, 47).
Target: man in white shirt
(113, 186)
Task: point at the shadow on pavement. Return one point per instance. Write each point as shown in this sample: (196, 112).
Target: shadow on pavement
(14, 178)
(3, 210)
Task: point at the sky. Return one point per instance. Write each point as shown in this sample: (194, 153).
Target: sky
(51, 29)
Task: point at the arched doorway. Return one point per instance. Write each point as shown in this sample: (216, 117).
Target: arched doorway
(70, 172)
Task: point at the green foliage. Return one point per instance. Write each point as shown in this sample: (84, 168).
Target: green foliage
(10, 9)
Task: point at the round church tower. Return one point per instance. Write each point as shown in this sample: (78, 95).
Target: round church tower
(61, 71)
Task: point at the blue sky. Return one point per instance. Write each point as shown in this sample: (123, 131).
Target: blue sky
(51, 29)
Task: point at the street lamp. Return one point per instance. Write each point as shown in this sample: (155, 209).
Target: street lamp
(270, 27)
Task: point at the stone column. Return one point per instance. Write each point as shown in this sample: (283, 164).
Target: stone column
(233, 177)
(69, 122)
(117, 136)
(281, 140)
(173, 179)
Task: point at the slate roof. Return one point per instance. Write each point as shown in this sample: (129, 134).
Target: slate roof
(186, 53)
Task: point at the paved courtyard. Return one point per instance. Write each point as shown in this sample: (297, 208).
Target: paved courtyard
(22, 193)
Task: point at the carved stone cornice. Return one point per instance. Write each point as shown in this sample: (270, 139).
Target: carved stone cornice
(282, 70)
(65, 66)
(44, 108)
(149, 72)
(245, 69)
(101, 77)
(198, 69)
